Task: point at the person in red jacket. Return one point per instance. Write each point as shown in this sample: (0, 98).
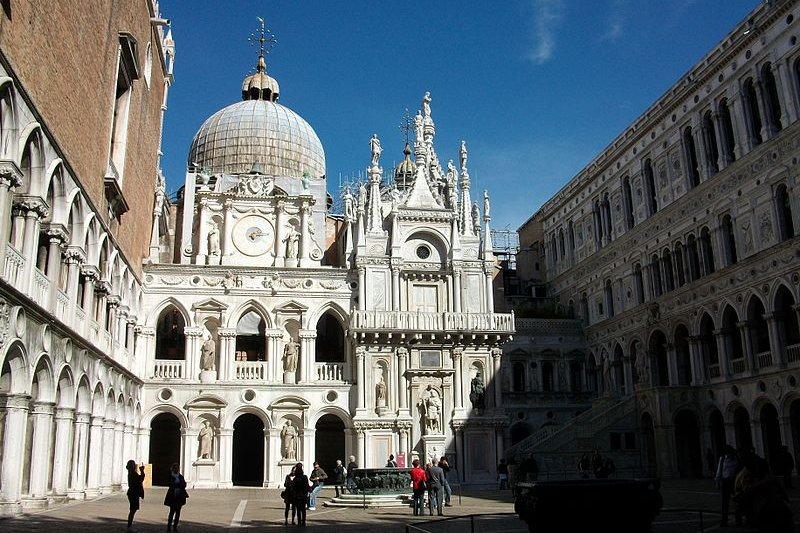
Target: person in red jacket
(418, 479)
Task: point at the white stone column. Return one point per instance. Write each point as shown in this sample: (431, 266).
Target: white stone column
(145, 349)
(489, 289)
(496, 354)
(80, 451)
(361, 456)
(672, 364)
(696, 358)
(56, 237)
(280, 249)
(741, 131)
(360, 356)
(10, 178)
(117, 459)
(128, 452)
(395, 289)
(142, 444)
(95, 456)
(458, 385)
(308, 339)
(107, 457)
(34, 212)
(16, 419)
(62, 448)
(724, 355)
(202, 233)
(457, 308)
(227, 348)
(305, 235)
(225, 457)
(226, 232)
(790, 114)
(42, 418)
(362, 288)
(194, 337)
(402, 387)
(777, 343)
(747, 344)
(309, 447)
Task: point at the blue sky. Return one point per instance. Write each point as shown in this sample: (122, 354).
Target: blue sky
(537, 88)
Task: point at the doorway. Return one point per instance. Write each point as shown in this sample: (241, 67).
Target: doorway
(248, 451)
(329, 442)
(165, 446)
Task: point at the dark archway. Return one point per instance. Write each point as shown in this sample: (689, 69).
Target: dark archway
(649, 445)
(741, 427)
(658, 351)
(716, 427)
(170, 337)
(771, 436)
(682, 356)
(329, 347)
(165, 446)
(687, 445)
(248, 451)
(329, 442)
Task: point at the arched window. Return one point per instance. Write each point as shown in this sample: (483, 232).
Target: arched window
(329, 346)
(752, 114)
(669, 275)
(710, 138)
(251, 341)
(693, 170)
(170, 338)
(655, 276)
(694, 258)
(708, 348)
(638, 282)
(784, 210)
(561, 245)
(772, 102)
(547, 376)
(518, 373)
(609, 225)
(728, 141)
(759, 334)
(788, 322)
(707, 250)
(733, 340)
(679, 274)
(598, 225)
(627, 202)
(650, 187)
(729, 238)
(585, 308)
(571, 236)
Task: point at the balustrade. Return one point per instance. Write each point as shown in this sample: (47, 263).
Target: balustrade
(419, 321)
(250, 370)
(13, 265)
(62, 306)
(40, 287)
(738, 366)
(329, 371)
(793, 353)
(166, 369)
(764, 359)
(713, 371)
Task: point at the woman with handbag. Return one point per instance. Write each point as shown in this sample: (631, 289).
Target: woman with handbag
(288, 497)
(300, 489)
(176, 496)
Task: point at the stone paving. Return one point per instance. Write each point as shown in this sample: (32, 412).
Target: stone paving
(262, 509)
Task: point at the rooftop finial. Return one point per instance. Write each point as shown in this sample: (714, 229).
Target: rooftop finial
(266, 41)
(405, 126)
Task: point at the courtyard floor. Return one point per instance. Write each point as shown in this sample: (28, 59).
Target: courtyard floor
(235, 509)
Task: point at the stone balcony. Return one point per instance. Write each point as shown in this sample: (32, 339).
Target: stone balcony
(462, 325)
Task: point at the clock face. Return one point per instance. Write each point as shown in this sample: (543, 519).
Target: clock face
(253, 235)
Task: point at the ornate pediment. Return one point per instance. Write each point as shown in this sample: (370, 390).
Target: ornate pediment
(206, 403)
(291, 308)
(209, 308)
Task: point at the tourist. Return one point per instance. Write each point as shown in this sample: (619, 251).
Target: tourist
(502, 475)
(445, 466)
(300, 488)
(350, 475)
(418, 479)
(135, 490)
(435, 484)
(727, 469)
(391, 463)
(584, 466)
(288, 497)
(338, 477)
(176, 496)
(318, 477)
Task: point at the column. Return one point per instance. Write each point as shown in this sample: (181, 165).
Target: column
(395, 289)
(308, 339)
(696, 358)
(80, 452)
(672, 364)
(489, 288)
(57, 236)
(457, 291)
(402, 387)
(768, 129)
(34, 211)
(360, 356)
(142, 437)
(402, 445)
(95, 455)
(361, 456)
(225, 459)
(362, 288)
(202, 233)
(308, 450)
(280, 257)
(10, 178)
(458, 385)
(499, 443)
(117, 457)
(747, 344)
(62, 449)
(42, 417)
(777, 342)
(496, 354)
(16, 410)
(107, 461)
(305, 235)
(722, 143)
(627, 375)
(226, 232)
(741, 131)
(128, 451)
(90, 274)
(724, 354)
(790, 114)
(194, 336)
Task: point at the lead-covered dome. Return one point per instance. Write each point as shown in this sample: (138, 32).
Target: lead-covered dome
(258, 130)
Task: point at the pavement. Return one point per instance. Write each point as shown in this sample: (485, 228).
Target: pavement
(233, 509)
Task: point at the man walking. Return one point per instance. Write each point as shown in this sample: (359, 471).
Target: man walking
(436, 482)
(350, 479)
(445, 466)
(726, 475)
(318, 477)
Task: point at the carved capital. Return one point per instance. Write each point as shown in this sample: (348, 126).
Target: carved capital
(57, 232)
(25, 205)
(74, 255)
(10, 174)
(193, 331)
(90, 272)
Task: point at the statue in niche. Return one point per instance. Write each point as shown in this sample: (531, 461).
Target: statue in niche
(375, 147)
(206, 438)
(477, 392)
(641, 366)
(292, 241)
(213, 239)
(380, 393)
(207, 352)
(290, 356)
(431, 407)
(289, 441)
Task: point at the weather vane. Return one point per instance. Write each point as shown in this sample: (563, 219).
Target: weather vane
(264, 37)
(405, 126)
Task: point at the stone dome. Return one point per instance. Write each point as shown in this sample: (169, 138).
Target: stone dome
(235, 137)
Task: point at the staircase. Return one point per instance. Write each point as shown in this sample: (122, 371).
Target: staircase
(557, 448)
(370, 500)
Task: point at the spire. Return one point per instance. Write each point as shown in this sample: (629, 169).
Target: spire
(465, 217)
(374, 219)
(260, 86)
(488, 248)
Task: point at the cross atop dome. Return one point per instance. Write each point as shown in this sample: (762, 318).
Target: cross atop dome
(260, 86)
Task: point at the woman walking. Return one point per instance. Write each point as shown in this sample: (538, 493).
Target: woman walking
(338, 477)
(135, 490)
(288, 497)
(300, 488)
(176, 496)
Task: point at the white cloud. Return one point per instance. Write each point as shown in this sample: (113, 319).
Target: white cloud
(548, 15)
(615, 23)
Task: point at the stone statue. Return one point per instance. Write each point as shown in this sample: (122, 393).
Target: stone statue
(305, 181)
(206, 438)
(380, 393)
(213, 239)
(477, 392)
(375, 146)
(290, 356)
(160, 195)
(362, 196)
(642, 371)
(463, 155)
(606, 375)
(207, 351)
(292, 241)
(418, 127)
(431, 406)
(476, 216)
(289, 441)
(486, 211)
(426, 105)
(348, 205)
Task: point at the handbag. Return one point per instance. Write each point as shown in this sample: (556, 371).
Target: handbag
(283, 494)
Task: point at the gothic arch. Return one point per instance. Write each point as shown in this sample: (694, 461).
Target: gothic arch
(8, 117)
(31, 145)
(148, 416)
(155, 312)
(328, 307)
(65, 389)
(237, 313)
(57, 186)
(334, 410)
(83, 396)
(15, 376)
(43, 386)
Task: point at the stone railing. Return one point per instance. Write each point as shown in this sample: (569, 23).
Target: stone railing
(764, 359)
(738, 365)
(793, 353)
(250, 370)
(418, 321)
(713, 371)
(329, 371)
(164, 369)
(549, 326)
(62, 306)
(13, 265)
(40, 287)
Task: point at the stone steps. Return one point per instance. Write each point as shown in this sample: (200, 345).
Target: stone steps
(370, 500)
